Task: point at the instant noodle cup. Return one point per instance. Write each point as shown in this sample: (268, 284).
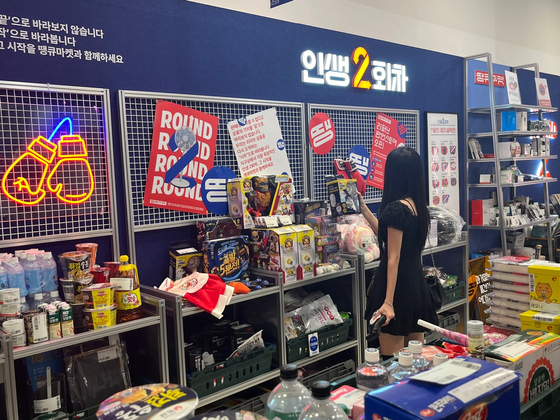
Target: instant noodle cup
(72, 289)
(113, 267)
(99, 295)
(88, 247)
(75, 264)
(100, 274)
(98, 319)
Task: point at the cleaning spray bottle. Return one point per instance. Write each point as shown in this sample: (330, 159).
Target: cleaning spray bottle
(127, 291)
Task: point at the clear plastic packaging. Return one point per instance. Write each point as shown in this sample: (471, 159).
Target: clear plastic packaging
(404, 369)
(449, 224)
(371, 374)
(289, 398)
(313, 316)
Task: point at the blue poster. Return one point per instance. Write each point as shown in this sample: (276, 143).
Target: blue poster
(360, 156)
(214, 189)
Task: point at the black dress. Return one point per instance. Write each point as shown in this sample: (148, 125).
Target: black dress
(412, 296)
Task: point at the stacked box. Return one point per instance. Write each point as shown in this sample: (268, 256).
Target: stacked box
(545, 287)
(327, 239)
(227, 257)
(307, 267)
(276, 250)
(183, 260)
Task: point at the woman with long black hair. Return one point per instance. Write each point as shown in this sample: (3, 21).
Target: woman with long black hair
(399, 290)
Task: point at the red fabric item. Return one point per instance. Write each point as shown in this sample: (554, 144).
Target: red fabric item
(353, 171)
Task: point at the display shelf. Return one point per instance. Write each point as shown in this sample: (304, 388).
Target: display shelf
(239, 387)
(329, 352)
(237, 299)
(505, 134)
(372, 265)
(33, 349)
(509, 107)
(320, 278)
(513, 159)
(453, 305)
(516, 184)
(536, 222)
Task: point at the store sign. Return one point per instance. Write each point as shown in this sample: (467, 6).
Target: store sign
(481, 78)
(334, 70)
(360, 156)
(321, 133)
(60, 168)
(214, 189)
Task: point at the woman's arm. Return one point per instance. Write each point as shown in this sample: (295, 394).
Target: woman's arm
(371, 219)
(394, 243)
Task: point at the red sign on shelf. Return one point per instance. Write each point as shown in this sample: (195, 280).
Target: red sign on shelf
(481, 78)
(321, 133)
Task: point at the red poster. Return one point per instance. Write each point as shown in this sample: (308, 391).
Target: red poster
(183, 148)
(388, 134)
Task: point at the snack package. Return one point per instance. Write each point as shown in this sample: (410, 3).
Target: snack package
(249, 345)
(311, 317)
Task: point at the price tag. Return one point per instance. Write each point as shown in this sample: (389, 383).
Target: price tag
(46, 406)
(313, 344)
(123, 284)
(448, 372)
(107, 354)
(285, 220)
(271, 222)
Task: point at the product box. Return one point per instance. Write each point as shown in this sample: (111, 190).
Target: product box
(307, 266)
(348, 396)
(183, 260)
(543, 321)
(515, 239)
(308, 208)
(487, 392)
(343, 196)
(521, 121)
(276, 250)
(508, 121)
(238, 191)
(534, 354)
(483, 213)
(216, 229)
(227, 257)
(544, 287)
(506, 149)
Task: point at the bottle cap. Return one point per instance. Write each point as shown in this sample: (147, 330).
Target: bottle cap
(289, 371)
(474, 327)
(415, 347)
(38, 296)
(14, 260)
(372, 355)
(405, 358)
(30, 257)
(440, 358)
(321, 389)
(17, 253)
(54, 294)
(23, 256)
(22, 300)
(47, 255)
(124, 258)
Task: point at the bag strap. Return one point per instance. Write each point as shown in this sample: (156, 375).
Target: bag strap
(432, 254)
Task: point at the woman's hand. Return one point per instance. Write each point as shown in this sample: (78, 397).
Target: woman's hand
(362, 202)
(387, 310)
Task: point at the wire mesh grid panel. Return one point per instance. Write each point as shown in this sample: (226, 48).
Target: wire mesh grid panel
(354, 126)
(55, 182)
(138, 112)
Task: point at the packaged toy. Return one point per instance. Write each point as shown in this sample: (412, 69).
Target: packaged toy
(228, 258)
(216, 229)
(360, 239)
(276, 250)
(343, 196)
(238, 191)
(544, 288)
(306, 252)
(308, 208)
(183, 260)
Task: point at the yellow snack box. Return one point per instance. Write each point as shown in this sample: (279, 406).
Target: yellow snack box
(544, 288)
(544, 321)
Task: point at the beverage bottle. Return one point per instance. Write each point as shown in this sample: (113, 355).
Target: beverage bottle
(321, 407)
(371, 375)
(47, 263)
(23, 304)
(32, 272)
(419, 361)
(127, 291)
(404, 369)
(54, 296)
(439, 358)
(475, 332)
(16, 276)
(290, 396)
(4, 282)
(37, 300)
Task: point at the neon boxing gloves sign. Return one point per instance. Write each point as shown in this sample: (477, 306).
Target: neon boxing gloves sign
(46, 165)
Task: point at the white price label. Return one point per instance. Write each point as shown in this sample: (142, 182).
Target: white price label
(448, 372)
(285, 220)
(47, 406)
(107, 354)
(514, 350)
(123, 284)
(483, 384)
(270, 222)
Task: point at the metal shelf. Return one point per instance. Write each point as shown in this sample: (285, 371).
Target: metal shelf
(372, 265)
(237, 299)
(517, 184)
(513, 159)
(503, 134)
(322, 277)
(326, 353)
(453, 305)
(239, 387)
(33, 349)
(537, 222)
(509, 107)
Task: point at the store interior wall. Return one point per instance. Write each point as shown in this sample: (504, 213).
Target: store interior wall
(175, 46)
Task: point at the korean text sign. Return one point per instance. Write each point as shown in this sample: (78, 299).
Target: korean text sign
(388, 135)
(183, 149)
(258, 144)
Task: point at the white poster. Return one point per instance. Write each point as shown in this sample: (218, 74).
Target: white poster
(258, 144)
(514, 95)
(443, 164)
(542, 92)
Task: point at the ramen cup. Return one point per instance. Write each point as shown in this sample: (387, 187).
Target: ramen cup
(88, 247)
(75, 264)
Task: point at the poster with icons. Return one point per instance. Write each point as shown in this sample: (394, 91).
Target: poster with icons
(443, 162)
(543, 94)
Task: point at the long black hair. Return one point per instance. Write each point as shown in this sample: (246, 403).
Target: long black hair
(404, 178)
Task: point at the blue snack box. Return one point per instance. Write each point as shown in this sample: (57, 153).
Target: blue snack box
(227, 257)
(487, 393)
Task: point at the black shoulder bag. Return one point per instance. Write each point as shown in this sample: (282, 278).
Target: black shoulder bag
(436, 289)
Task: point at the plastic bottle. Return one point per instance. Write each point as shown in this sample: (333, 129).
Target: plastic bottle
(475, 331)
(54, 296)
(371, 375)
(404, 369)
(290, 396)
(127, 292)
(47, 263)
(16, 276)
(32, 272)
(321, 407)
(23, 304)
(4, 282)
(419, 362)
(439, 358)
(37, 300)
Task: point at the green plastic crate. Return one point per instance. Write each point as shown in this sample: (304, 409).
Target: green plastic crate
(220, 376)
(454, 293)
(330, 336)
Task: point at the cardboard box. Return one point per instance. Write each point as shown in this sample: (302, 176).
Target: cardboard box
(543, 321)
(216, 229)
(534, 354)
(307, 265)
(183, 260)
(238, 191)
(521, 122)
(544, 287)
(343, 196)
(508, 121)
(348, 396)
(482, 212)
(227, 257)
(275, 250)
(308, 208)
(491, 392)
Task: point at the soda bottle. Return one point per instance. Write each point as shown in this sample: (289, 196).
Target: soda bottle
(127, 291)
(419, 361)
(321, 407)
(289, 398)
(371, 375)
(404, 369)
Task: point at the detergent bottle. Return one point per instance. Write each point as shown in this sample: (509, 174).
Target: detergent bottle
(127, 291)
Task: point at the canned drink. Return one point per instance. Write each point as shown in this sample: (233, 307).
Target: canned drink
(66, 321)
(14, 326)
(8, 296)
(36, 326)
(19, 340)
